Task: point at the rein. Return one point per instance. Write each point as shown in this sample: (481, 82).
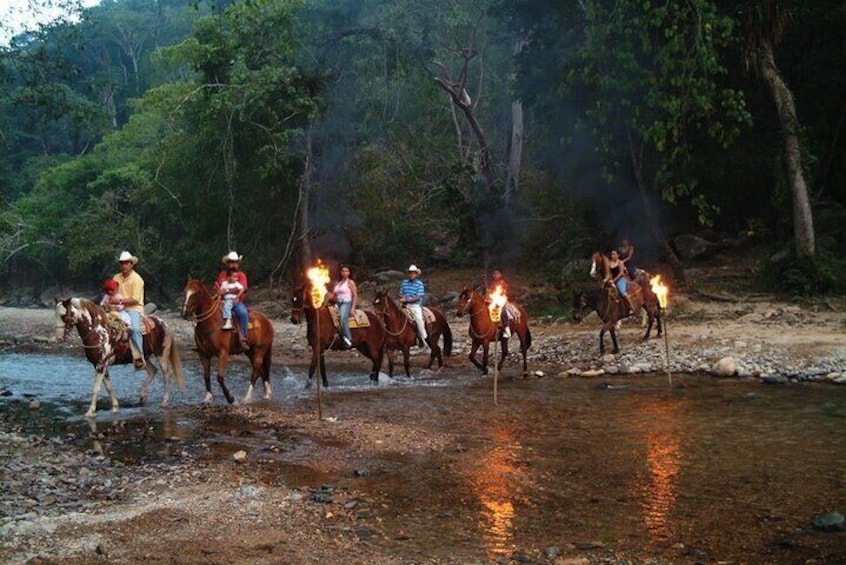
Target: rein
(475, 314)
(387, 315)
(198, 318)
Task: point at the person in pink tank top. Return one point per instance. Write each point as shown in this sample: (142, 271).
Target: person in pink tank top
(345, 294)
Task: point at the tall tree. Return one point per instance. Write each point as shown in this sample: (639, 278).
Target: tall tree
(764, 24)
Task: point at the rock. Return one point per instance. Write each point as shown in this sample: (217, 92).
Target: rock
(239, 456)
(539, 374)
(829, 522)
(592, 373)
(691, 246)
(389, 276)
(725, 367)
(574, 372)
(774, 379)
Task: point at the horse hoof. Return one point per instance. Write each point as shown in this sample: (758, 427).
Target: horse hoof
(230, 399)
(142, 401)
(89, 414)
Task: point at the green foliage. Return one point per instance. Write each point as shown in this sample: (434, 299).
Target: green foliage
(813, 276)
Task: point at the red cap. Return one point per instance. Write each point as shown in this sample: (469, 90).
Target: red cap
(110, 284)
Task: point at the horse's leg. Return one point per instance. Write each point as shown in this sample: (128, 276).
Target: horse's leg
(95, 391)
(390, 355)
(524, 349)
(265, 372)
(651, 318)
(602, 339)
(312, 368)
(472, 356)
(377, 357)
(613, 333)
(503, 354)
(405, 362)
(323, 370)
(434, 351)
(222, 362)
(151, 373)
(658, 317)
(107, 383)
(485, 357)
(257, 361)
(206, 361)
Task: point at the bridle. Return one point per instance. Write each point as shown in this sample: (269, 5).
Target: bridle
(387, 315)
(475, 314)
(202, 317)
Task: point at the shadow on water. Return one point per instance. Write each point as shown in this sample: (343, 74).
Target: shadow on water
(710, 470)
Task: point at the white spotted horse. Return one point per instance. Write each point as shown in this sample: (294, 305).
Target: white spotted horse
(105, 342)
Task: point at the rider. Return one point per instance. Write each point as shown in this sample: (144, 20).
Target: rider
(412, 292)
(233, 261)
(232, 291)
(626, 252)
(617, 274)
(497, 280)
(110, 287)
(130, 296)
(345, 294)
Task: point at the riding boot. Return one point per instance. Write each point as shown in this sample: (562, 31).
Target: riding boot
(137, 357)
(630, 306)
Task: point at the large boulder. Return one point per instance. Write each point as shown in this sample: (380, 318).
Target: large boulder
(692, 246)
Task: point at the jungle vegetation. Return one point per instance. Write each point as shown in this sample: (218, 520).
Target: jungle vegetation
(446, 133)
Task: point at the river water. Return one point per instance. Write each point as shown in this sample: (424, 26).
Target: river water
(707, 470)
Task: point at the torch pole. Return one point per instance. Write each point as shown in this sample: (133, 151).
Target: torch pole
(496, 368)
(319, 350)
(667, 348)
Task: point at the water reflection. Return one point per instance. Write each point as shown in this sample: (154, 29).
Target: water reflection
(496, 480)
(659, 485)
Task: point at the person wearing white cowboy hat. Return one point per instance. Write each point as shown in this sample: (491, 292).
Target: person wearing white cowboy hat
(130, 297)
(233, 261)
(412, 291)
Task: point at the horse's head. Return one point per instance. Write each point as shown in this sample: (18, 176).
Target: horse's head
(579, 304)
(64, 318)
(463, 301)
(598, 266)
(381, 302)
(192, 293)
(297, 304)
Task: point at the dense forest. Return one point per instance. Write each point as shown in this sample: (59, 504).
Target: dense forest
(522, 133)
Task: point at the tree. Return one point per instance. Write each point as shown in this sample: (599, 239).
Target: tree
(764, 23)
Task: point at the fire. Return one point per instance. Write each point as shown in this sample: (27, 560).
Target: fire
(319, 277)
(659, 289)
(498, 299)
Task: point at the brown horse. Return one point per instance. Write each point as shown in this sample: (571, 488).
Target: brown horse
(204, 309)
(612, 308)
(106, 344)
(483, 330)
(401, 332)
(368, 340)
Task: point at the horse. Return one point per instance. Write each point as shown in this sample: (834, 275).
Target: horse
(205, 310)
(483, 330)
(368, 340)
(611, 309)
(105, 344)
(401, 332)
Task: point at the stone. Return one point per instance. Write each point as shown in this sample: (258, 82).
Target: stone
(592, 373)
(829, 522)
(725, 367)
(239, 456)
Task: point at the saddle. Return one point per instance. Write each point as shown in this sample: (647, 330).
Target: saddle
(359, 318)
(118, 325)
(428, 315)
(513, 312)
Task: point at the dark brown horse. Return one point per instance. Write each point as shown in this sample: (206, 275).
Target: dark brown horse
(105, 343)
(612, 308)
(483, 330)
(204, 309)
(401, 333)
(368, 340)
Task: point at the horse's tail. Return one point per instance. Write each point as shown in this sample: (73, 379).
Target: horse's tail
(172, 356)
(528, 337)
(447, 339)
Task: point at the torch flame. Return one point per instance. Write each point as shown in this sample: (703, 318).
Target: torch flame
(319, 277)
(498, 299)
(659, 289)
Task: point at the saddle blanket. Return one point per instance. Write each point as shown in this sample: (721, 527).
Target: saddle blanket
(514, 314)
(428, 315)
(147, 323)
(359, 318)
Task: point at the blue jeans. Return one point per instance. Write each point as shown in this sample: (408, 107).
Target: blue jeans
(622, 286)
(242, 315)
(344, 309)
(227, 308)
(136, 337)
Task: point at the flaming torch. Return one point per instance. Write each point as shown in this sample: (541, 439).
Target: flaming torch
(661, 291)
(319, 278)
(497, 300)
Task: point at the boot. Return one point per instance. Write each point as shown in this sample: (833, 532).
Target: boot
(227, 324)
(137, 358)
(506, 332)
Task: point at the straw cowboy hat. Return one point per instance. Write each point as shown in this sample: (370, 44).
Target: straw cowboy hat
(231, 256)
(127, 256)
(413, 268)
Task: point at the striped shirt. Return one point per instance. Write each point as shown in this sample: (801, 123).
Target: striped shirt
(412, 290)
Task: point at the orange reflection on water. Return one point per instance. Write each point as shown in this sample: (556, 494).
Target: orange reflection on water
(663, 459)
(497, 481)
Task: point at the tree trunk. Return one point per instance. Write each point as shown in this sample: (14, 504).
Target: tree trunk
(803, 220)
(305, 193)
(515, 160)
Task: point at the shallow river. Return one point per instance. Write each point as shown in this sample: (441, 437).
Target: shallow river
(708, 470)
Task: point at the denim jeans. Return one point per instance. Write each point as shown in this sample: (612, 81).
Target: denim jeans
(227, 308)
(622, 286)
(344, 309)
(243, 316)
(136, 337)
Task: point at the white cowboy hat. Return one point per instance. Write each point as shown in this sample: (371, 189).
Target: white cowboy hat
(414, 268)
(231, 256)
(127, 256)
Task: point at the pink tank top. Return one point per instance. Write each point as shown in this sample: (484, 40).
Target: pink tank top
(342, 291)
